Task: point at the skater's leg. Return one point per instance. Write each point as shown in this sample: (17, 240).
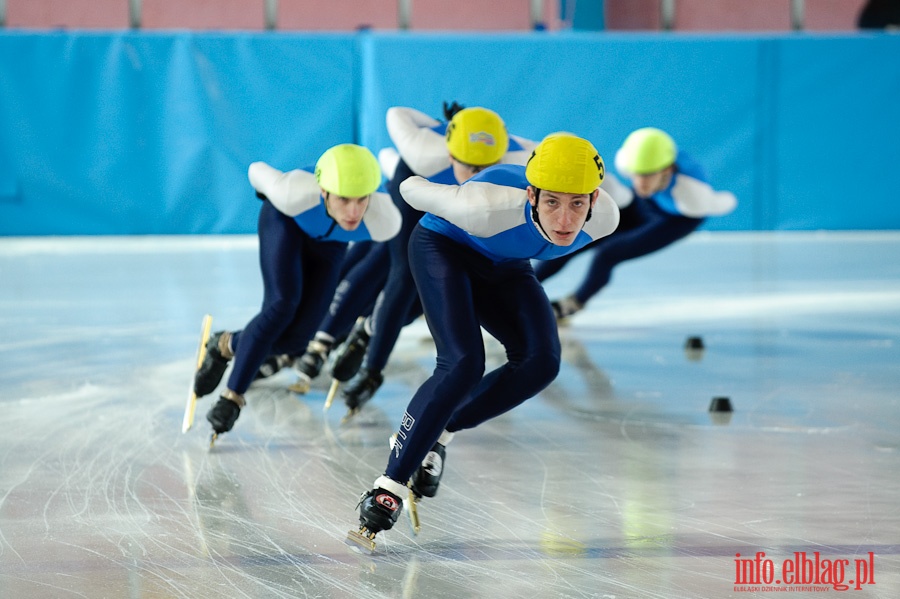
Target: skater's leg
(320, 277)
(290, 264)
(544, 269)
(516, 312)
(356, 293)
(440, 268)
(354, 296)
(356, 251)
(399, 297)
(391, 311)
(655, 231)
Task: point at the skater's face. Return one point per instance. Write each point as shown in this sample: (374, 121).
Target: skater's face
(347, 212)
(650, 184)
(463, 172)
(562, 215)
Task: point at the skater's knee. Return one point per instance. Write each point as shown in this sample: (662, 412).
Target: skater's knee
(541, 368)
(280, 310)
(465, 370)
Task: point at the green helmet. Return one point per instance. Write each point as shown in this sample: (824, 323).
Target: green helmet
(645, 151)
(348, 170)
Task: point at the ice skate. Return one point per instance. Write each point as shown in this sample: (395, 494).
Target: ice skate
(224, 414)
(271, 366)
(214, 363)
(414, 521)
(565, 308)
(360, 390)
(379, 510)
(347, 358)
(191, 407)
(302, 385)
(427, 477)
(332, 392)
(308, 366)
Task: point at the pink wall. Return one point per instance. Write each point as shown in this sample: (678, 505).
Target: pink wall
(203, 14)
(472, 15)
(631, 15)
(733, 15)
(338, 15)
(832, 15)
(69, 14)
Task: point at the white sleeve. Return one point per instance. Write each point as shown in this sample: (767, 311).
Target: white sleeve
(696, 199)
(382, 217)
(479, 208)
(388, 159)
(423, 150)
(620, 193)
(604, 216)
(291, 193)
(519, 156)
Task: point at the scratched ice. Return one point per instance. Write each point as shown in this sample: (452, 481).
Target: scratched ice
(615, 482)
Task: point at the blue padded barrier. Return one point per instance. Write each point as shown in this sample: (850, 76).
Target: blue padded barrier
(140, 133)
(152, 133)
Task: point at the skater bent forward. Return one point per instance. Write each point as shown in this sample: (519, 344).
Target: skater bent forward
(668, 199)
(470, 258)
(306, 220)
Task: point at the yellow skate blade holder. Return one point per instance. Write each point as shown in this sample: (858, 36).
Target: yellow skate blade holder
(332, 391)
(301, 386)
(212, 440)
(414, 512)
(349, 415)
(361, 539)
(191, 406)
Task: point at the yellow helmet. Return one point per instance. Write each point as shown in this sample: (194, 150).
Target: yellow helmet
(646, 151)
(477, 136)
(348, 170)
(566, 163)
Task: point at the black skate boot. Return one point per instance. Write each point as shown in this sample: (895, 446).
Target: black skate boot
(213, 367)
(224, 414)
(379, 509)
(361, 388)
(310, 364)
(566, 307)
(271, 366)
(348, 357)
(427, 477)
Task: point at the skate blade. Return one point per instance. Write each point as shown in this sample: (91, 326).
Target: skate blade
(349, 415)
(212, 440)
(329, 399)
(414, 513)
(189, 410)
(360, 540)
(191, 407)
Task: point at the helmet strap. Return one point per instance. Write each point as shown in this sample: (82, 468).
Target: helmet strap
(328, 212)
(534, 211)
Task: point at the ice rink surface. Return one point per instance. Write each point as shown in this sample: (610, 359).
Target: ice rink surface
(615, 482)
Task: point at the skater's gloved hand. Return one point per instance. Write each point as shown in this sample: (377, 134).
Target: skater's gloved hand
(261, 196)
(451, 110)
